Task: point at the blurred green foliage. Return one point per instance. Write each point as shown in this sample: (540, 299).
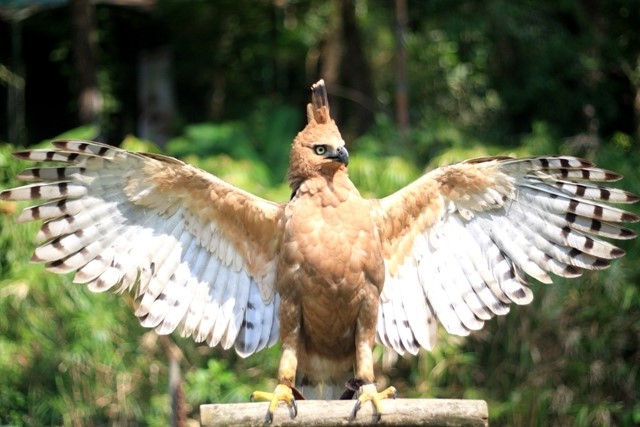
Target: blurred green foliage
(569, 358)
(485, 78)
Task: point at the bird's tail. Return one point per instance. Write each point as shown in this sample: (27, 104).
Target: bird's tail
(324, 390)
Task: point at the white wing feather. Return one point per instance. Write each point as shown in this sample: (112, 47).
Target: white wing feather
(107, 219)
(484, 225)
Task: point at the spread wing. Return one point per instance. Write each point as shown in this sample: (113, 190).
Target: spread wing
(460, 241)
(200, 253)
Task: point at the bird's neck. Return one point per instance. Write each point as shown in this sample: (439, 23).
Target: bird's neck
(333, 188)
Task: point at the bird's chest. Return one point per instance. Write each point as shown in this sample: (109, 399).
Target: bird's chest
(332, 245)
(331, 263)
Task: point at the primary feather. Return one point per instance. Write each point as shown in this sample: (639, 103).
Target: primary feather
(123, 220)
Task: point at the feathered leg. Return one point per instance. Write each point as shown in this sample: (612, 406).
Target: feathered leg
(363, 382)
(290, 337)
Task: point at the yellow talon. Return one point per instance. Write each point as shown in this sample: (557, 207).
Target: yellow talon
(282, 393)
(369, 393)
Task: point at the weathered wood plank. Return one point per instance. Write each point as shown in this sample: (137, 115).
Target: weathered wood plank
(321, 413)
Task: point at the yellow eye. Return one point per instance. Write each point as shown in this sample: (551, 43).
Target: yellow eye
(320, 149)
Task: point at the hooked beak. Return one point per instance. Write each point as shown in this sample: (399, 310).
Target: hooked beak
(341, 155)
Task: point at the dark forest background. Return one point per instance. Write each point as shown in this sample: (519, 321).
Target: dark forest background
(413, 84)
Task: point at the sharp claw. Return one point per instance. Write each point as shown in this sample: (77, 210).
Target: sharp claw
(355, 410)
(268, 419)
(368, 393)
(282, 393)
(295, 408)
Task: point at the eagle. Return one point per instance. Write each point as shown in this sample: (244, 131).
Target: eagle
(328, 273)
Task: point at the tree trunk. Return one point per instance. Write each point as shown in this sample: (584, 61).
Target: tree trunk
(346, 71)
(636, 113)
(402, 96)
(332, 49)
(17, 129)
(84, 49)
(356, 71)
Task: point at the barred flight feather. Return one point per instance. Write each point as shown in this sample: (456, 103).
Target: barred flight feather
(109, 222)
(546, 218)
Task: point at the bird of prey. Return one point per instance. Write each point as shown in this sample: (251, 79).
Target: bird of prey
(328, 273)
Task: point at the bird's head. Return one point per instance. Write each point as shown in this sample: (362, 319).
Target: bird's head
(318, 150)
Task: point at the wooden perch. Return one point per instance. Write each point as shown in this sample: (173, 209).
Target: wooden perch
(316, 413)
